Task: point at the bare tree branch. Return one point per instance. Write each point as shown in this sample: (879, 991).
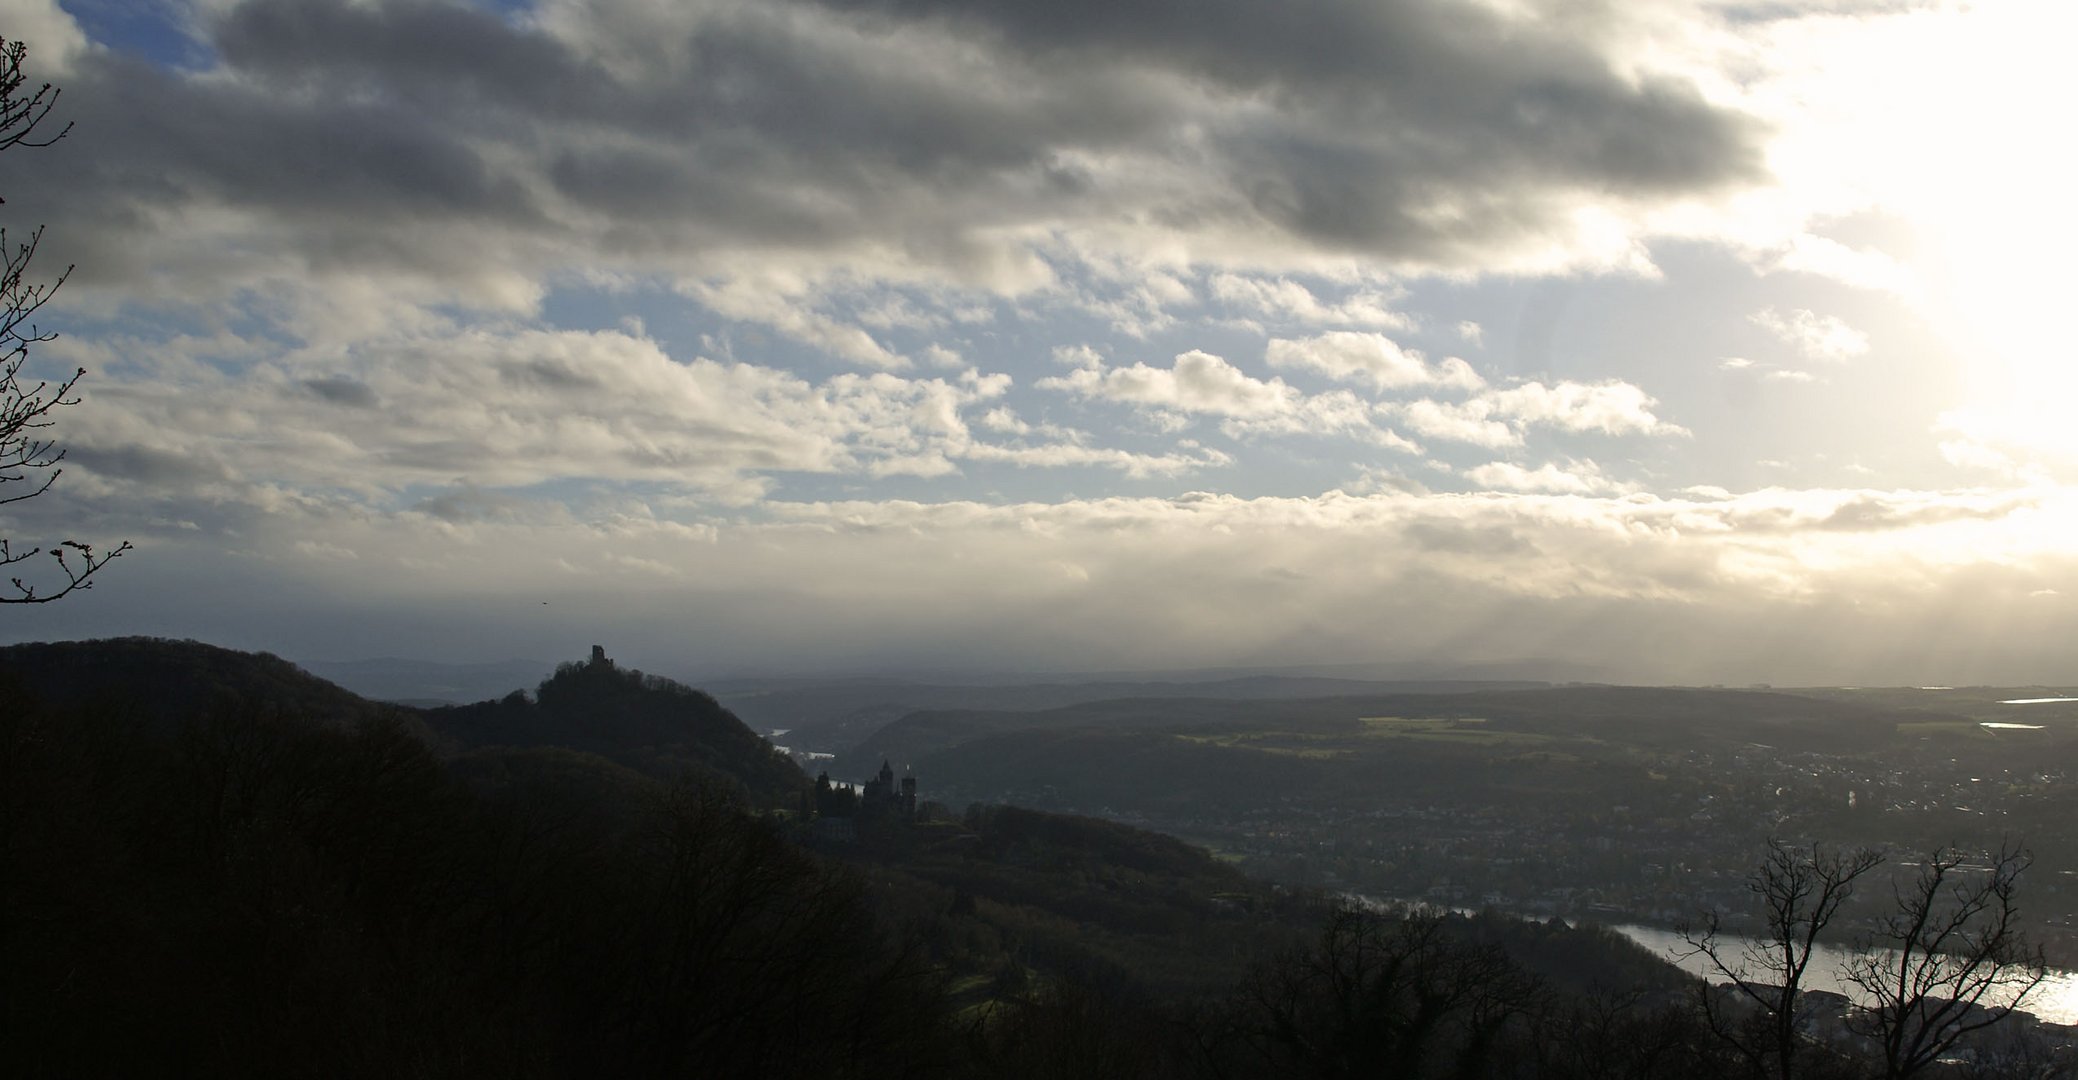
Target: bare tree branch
(1800, 891)
(1949, 961)
(27, 457)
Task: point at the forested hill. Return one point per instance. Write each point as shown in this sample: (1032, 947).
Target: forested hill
(647, 723)
(642, 721)
(160, 682)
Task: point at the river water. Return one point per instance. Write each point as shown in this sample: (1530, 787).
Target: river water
(2055, 1000)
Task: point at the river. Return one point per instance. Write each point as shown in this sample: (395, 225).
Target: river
(2055, 1000)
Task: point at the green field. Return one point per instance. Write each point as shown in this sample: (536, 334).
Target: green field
(1464, 730)
(1300, 744)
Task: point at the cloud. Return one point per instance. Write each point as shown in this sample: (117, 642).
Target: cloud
(1199, 382)
(1463, 422)
(1373, 358)
(1815, 337)
(522, 408)
(342, 390)
(1075, 453)
(1492, 417)
(1497, 418)
(2027, 443)
(1445, 579)
(1611, 407)
(1335, 413)
(1078, 356)
(344, 277)
(450, 152)
(1006, 421)
(1766, 372)
(786, 306)
(1573, 478)
(1861, 267)
(1285, 301)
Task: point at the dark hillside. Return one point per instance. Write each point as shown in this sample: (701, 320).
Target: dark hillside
(1007, 895)
(253, 895)
(254, 892)
(641, 721)
(159, 681)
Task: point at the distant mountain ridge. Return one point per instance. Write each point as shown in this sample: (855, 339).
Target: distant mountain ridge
(838, 714)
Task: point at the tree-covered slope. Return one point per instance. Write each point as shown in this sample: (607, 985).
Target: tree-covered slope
(158, 681)
(642, 721)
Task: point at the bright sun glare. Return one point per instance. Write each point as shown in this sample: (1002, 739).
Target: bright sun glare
(1952, 121)
(1996, 208)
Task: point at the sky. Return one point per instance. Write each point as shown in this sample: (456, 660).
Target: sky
(1689, 341)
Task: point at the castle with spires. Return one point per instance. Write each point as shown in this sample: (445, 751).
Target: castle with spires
(835, 806)
(881, 791)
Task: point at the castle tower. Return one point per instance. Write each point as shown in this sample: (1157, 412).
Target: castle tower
(599, 659)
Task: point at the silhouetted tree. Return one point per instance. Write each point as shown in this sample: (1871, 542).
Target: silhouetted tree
(1799, 892)
(1950, 961)
(1075, 1025)
(27, 457)
(1621, 1035)
(1378, 995)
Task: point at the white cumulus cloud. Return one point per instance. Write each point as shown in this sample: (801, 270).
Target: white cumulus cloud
(1814, 336)
(1354, 356)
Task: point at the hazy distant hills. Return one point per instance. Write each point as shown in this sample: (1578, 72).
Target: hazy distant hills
(833, 714)
(1178, 752)
(837, 714)
(425, 682)
(1643, 715)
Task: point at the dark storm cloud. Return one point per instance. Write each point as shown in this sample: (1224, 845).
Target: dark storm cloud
(435, 137)
(342, 391)
(1397, 127)
(325, 148)
(470, 504)
(549, 375)
(1474, 82)
(150, 465)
